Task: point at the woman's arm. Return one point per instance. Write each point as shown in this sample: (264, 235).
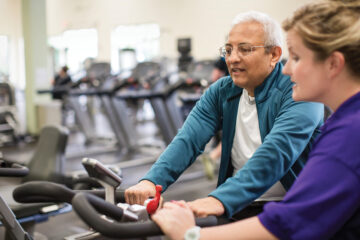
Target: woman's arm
(176, 218)
(250, 228)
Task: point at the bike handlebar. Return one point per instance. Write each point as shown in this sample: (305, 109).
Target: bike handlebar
(12, 169)
(42, 191)
(91, 208)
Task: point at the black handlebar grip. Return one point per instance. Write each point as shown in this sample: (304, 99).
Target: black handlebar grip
(90, 209)
(13, 170)
(119, 194)
(41, 191)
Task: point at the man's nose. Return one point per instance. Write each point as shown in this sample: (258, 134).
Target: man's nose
(234, 56)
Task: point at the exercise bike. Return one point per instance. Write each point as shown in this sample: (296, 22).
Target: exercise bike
(104, 211)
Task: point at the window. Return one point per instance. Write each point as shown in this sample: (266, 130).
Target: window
(4, 58)
(73, 47)
(127, 41)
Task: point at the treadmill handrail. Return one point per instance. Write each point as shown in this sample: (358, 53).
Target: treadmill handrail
(84, 92)
(50, 91)
(140, 94)
(149, 94)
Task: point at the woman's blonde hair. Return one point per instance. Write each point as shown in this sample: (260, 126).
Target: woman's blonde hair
(328, 26)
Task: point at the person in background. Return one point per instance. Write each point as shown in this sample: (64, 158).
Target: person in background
(62, 80)
(220, 70)
(266, 135)
(324, 202)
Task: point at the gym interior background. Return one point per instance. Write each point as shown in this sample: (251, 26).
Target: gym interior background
(32, 32)
(111, 37)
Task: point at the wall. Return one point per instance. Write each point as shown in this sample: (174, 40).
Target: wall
(205, 21)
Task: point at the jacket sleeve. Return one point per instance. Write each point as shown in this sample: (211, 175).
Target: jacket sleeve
(190, 141)
(293, 128)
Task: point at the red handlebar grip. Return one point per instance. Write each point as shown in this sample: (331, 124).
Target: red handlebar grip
(153, 204)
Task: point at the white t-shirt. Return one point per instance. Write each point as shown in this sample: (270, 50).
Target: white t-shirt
(247, 139)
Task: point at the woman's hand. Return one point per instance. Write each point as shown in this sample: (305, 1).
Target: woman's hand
(174, 219)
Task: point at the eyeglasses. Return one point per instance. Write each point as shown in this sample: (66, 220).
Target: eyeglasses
(242, 50)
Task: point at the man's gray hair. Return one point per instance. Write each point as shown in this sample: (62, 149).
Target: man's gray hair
(272, 29)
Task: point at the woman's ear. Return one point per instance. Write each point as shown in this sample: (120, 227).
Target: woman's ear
(275, 55)
(335, 63)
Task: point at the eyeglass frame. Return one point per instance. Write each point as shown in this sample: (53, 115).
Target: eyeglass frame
(223, 53)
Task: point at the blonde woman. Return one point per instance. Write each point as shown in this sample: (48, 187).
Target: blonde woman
(324, 64)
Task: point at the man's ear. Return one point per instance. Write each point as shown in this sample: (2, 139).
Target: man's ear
(275, 55)
(335, 63)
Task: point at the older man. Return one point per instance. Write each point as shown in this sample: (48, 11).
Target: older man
(266, 135)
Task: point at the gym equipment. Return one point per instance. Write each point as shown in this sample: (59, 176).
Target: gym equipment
(7, 217)
(9, 124)
(29, 214)
(49, 158)
(95, 76)
(107, 178)
(164, 98)
(198, 78)
(153, 204)
(91, 207)
(47, 163)
(161, 97)
(144, 75)
(184, 48)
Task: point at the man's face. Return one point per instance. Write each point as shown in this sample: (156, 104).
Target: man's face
(248, 71)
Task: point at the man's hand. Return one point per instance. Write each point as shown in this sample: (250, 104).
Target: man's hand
(174, 219)
(138, 193)
(207, 206)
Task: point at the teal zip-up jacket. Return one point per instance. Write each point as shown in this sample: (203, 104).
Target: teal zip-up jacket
(287, 129)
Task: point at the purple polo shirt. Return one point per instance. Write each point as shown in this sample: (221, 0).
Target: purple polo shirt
(324, 201)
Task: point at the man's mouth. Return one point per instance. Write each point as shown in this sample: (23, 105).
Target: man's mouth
(237, 70)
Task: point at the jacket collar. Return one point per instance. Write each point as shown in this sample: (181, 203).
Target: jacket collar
(345, 109)
(262, 91)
